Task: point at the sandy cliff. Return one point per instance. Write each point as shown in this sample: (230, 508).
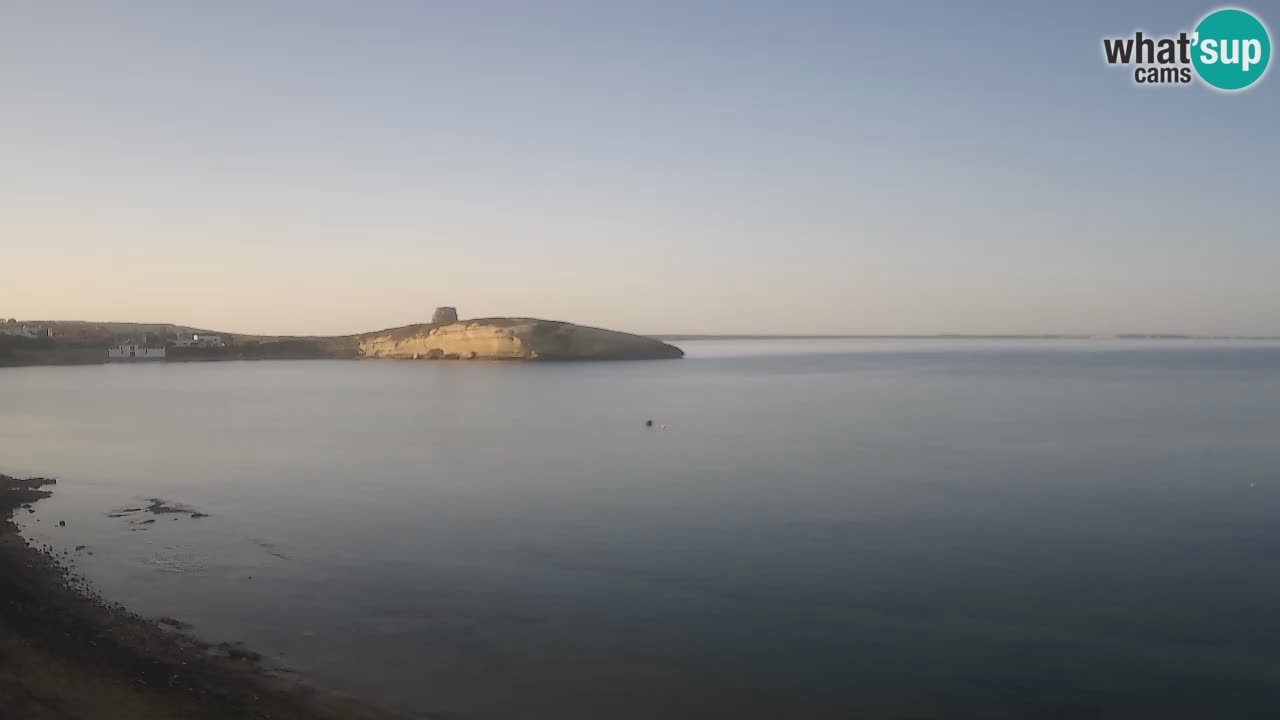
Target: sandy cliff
(511, 339)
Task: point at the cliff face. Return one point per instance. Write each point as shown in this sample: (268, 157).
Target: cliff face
(511, 339)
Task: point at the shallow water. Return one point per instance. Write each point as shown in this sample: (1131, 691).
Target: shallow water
(826, 528)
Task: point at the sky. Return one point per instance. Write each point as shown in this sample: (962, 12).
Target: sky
(657, 167)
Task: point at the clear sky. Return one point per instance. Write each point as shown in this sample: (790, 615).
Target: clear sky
(655, 166)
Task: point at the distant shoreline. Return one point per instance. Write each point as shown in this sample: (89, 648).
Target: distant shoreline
(1100, 338)
(19, 352)
(444, 338)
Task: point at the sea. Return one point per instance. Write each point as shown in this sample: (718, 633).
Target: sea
(825, 528)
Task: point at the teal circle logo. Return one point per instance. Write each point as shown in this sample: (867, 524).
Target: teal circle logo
(1231, 49)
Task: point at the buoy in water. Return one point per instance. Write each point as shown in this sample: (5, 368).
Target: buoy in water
(648, 423)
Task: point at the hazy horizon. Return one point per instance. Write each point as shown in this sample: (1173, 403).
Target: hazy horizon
(807, 168)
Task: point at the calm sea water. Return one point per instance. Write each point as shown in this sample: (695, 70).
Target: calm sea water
(853, 528)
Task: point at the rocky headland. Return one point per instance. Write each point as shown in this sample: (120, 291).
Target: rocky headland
(509, 339)
(446, 337)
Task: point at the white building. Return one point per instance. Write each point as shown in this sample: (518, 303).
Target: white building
(135, 352)
(202, 340)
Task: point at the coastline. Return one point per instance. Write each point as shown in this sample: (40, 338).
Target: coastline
(67, 653)
(444, 338)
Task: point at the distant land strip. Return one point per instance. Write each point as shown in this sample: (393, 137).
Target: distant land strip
(444, 338)
(676, 337)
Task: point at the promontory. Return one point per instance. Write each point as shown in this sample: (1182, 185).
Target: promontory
(510, 339)
(445, 338)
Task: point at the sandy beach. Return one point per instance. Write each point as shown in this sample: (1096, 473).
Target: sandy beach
(66, 653)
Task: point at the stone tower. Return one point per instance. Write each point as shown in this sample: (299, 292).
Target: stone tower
(444, 316)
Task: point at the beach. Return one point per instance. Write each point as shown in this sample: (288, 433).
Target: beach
(67, 653)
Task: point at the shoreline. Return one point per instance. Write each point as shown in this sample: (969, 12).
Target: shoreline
(67, 653)
(51, 342)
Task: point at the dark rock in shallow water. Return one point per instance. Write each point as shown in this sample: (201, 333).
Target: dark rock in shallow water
(159, 506)
(196, 515)
(29, 483)
(162, 507)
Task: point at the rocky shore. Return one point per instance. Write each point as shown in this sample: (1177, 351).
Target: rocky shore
(66, 653)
